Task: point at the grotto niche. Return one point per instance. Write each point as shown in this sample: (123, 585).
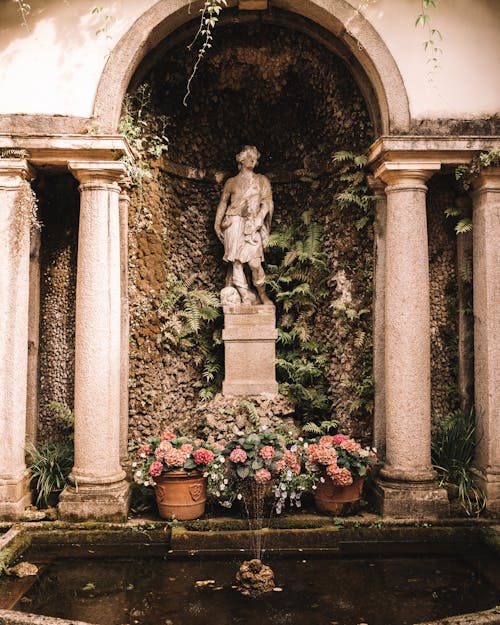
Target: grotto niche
(282, 91)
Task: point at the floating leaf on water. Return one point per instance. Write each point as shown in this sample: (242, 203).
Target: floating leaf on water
(204, 582)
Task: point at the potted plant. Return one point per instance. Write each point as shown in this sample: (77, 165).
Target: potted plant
(262, 469)
(177, 468)
(337, 466)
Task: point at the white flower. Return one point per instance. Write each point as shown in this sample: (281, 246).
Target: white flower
(239, 496)
(146, 483)
(293, 448)
(283, 486)
(138, 473)
(222, 486)
(322, 480)
(375, 449)
(143, 455)
(314, 487)
(134, 464)
(306, 445)
(225, 481)
(301, 439)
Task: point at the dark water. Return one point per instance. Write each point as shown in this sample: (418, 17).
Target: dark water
(315, 591)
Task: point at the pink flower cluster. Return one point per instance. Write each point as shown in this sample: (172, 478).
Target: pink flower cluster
(144, 450)
(339, 476)
(291, 461)
(203, 456)
(323, 454)
(238, 455)
(267, 452)
(262, 476)
(167, 436)
(175, 457)
(156, 468)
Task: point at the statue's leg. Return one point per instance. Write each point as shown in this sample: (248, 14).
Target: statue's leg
(240, 283)
(258, 279)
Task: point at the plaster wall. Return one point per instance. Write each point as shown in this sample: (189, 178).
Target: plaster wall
(53, 64)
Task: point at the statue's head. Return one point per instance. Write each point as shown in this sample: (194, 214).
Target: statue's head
(244, 152)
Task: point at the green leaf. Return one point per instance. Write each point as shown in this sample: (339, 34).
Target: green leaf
(464, 225)
(242, 471)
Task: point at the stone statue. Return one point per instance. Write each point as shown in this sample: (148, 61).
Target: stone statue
(242, 224)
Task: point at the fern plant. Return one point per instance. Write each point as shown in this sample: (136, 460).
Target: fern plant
(297, 275)
(188, 313)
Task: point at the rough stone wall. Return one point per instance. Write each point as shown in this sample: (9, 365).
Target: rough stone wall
(284, 93)
(443, 298)
(59, 210)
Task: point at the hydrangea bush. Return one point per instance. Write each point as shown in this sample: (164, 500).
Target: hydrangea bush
(256, 465)
(169, 452)
(338, 458)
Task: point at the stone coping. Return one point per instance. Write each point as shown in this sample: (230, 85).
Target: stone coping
(12, 617)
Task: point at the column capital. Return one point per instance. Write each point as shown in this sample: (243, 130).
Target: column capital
(488, 180)
(104, 172)
(407, 175)
(376, 185)
(13, 171)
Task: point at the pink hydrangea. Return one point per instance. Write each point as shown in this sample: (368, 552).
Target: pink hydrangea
(280, 464)
(291, 461)
(218, 446)
(198, 442)
(175, 457)
(144, 450)
(238, 455)
(326, 455)
(312, 452)
(156, 468)
(339, 438)
(267, 452)
(163, 448)
(187, 448)
(203, 456)
(167, 436)
(351, 446)
(339, 476)
(262, 476)
(327, 441)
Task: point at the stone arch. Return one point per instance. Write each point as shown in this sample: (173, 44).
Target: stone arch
(359, 44)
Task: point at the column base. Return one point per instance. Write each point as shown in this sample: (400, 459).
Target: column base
(102, 502)
(14, 497)
(489, 482)
(407, 500)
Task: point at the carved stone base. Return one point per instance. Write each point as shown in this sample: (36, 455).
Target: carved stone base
(408, 500)
(15, 496)
(489, 482)
(103, 502)
(249, 346)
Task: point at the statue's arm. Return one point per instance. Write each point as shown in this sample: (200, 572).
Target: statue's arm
(266, 209)
(221, 209)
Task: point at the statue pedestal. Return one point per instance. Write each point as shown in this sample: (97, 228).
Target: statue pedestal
(249, 345)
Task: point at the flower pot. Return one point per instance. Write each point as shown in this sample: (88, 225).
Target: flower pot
(332, 499)
(181, 495)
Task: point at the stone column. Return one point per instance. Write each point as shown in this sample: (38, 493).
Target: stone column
(14, 302)
(407, 486)
(486, 287)
(378, 189)
(124, 326)
(32, 402)
(98, 488)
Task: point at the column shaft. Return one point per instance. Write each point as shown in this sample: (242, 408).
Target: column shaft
(377, 188)
(407, 487)
(124, 332)
(486, 286)
(14, 289)
(99, 487)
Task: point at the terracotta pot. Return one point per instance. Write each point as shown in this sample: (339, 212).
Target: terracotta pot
(181, 495)
(333, 499)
